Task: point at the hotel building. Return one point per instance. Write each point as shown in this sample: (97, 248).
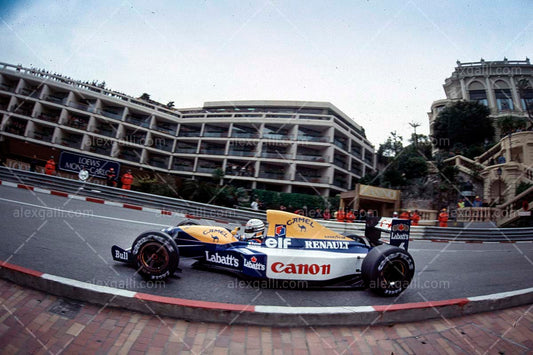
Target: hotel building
(286, 146)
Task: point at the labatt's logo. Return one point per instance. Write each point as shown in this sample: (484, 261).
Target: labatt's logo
(228, 260)
(301, 269)
(253, 264)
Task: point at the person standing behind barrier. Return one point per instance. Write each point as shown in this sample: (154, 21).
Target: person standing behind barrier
(327, 214)
(33, 163)
(350, 217)
(341, 215)
(127, 180)
(50, 167)
(443, 218)
(415, 218)
(405, 215)
(110, 177)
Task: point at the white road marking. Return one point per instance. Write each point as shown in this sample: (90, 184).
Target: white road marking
(78, 213)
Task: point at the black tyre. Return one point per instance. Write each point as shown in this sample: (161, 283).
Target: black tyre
(187, 222)
(156, 255)
(388, 270)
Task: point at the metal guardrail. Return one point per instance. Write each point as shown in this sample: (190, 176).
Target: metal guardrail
(108, 193)
(213, 212)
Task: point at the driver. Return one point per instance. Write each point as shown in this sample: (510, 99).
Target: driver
(254, 230)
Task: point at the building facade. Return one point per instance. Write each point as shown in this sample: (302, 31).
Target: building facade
(506, 88)
(495, 84)
(287, 146)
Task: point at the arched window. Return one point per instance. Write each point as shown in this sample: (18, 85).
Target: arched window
(525, 88)
(477, 93)
(504, 99)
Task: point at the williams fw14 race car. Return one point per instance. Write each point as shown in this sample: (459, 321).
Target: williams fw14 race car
(294, 247)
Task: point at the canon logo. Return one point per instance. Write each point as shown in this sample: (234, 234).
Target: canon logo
(301, 269)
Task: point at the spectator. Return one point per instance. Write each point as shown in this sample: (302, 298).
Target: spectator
(350, 217)
(362, 214)
(443, 218)
(341, 215)
(50, 167)
(415, 218)
(405, 215)
(83, 174)
(111, 177)
(255, 204)
(127, 180)
(282, 208)
(461, 203)
(394, 214)
(477, 202)
(327, 214)
(33, 163)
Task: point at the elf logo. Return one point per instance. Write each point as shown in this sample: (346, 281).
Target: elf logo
(279, 243)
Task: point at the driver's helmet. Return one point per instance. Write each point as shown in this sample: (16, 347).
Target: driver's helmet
(254, 229)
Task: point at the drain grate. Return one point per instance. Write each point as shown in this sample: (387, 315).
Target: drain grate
(66, 308)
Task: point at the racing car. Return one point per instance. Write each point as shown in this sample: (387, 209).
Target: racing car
(294, 247)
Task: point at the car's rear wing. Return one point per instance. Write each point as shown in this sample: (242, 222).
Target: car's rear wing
(398, 228)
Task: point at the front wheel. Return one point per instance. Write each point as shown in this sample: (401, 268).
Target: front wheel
(388, 270)
(156, 255)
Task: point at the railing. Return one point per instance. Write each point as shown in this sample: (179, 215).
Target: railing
(241, 215)
(478, 214)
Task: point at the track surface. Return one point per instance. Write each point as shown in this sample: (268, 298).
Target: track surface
(72, 238)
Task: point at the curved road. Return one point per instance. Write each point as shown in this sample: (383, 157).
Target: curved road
(72, 238)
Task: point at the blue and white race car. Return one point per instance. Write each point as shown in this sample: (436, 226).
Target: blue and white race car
(294, 247)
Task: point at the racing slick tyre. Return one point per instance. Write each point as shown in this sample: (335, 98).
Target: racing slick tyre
(387, 270)
(187, 222)
(155, 254)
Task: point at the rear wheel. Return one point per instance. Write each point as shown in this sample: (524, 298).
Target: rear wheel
(156, 255)
(388, 270)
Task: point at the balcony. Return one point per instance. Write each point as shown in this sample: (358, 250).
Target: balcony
(138, 121)
(71, 141)
(49, 117)
(165, 128)
(182, 165)
(308, 138)
(277, 136)
(274, 175)
(77, 122)
(8, 87)
(31, 92)
(129, 154)
(314, 158)
(158, 162)
(56, 99)
(275, 155)
(242, 153)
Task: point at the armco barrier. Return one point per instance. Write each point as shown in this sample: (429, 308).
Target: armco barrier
(200, 210)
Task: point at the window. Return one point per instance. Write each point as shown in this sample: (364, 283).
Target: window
(479, 96)
(504, 100)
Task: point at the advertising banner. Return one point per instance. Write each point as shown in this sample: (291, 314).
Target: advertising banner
(96, 167)
(400, 232)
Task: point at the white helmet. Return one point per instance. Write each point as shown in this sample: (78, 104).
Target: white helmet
(254, 228)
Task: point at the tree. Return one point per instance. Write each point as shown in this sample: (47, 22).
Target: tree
(463, 126)
(391, 148)
(145, 97)
(170, 104)
(509, 124)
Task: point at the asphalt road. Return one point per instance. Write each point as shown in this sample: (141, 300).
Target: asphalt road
(72, 238)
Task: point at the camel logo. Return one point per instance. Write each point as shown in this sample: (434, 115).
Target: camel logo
(215, 239)
(302, 228)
